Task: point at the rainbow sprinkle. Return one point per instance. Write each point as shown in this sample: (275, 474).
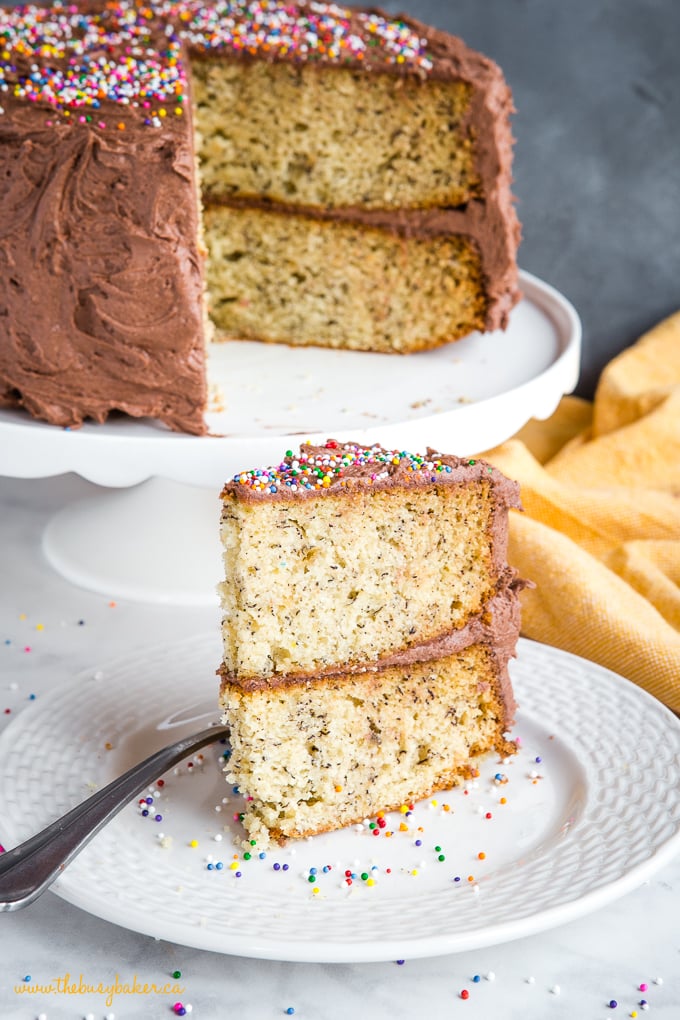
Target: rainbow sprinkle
(132, 54)
(334, 464)
(63, 57)
(312, 31)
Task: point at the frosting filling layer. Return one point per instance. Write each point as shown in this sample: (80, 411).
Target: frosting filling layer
(496, 627)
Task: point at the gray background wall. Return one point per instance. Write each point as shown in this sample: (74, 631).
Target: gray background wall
(597, 160)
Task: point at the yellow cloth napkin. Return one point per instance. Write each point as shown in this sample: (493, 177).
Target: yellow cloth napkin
(600, 532)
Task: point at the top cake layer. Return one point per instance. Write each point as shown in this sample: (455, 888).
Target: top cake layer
(343, 556)
(97, 57)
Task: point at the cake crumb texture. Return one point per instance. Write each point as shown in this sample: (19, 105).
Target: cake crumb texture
(368, 618)
(293, 134)
(316, 582)
(303, 281)
(319, 755)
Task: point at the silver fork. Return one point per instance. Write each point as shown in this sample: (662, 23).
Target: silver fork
(30, 868)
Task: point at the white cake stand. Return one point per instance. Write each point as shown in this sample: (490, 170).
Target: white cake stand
(151, 535)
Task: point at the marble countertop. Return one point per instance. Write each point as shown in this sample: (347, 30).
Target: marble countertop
(572, 971)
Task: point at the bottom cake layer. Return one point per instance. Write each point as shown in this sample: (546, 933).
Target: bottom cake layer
(317, 755)
(295, 279)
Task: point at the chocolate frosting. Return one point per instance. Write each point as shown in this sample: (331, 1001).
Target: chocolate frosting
(100, 268)
(497, 627)
(100, 277)
(372, 467)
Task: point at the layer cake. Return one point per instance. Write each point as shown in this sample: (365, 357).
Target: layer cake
(353, 169)
(369, 616)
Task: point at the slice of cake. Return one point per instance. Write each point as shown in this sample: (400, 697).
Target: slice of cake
(369, 616)
(354, 170)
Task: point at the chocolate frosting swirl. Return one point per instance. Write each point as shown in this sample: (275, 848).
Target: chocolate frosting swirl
(102, 225)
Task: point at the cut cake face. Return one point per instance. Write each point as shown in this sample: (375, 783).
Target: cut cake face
(318, 755)
(353, 169)
(369, 616)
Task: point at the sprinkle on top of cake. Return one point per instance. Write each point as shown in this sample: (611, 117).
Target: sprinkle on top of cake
(131, 53)
(308, 31)
(319, 468)
(66, 57)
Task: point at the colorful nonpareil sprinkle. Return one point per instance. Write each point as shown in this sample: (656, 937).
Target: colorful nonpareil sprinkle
(317, 32)
(370, 868)
(336, 464)
(132, 54)
(66, 58)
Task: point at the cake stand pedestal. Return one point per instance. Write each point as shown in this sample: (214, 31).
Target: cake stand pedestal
(155, 542)
(151, 534)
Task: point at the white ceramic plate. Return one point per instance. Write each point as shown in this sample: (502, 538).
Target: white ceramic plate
(464, 397)
(591, 820)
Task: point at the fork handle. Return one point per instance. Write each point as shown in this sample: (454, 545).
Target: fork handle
(28, 869)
